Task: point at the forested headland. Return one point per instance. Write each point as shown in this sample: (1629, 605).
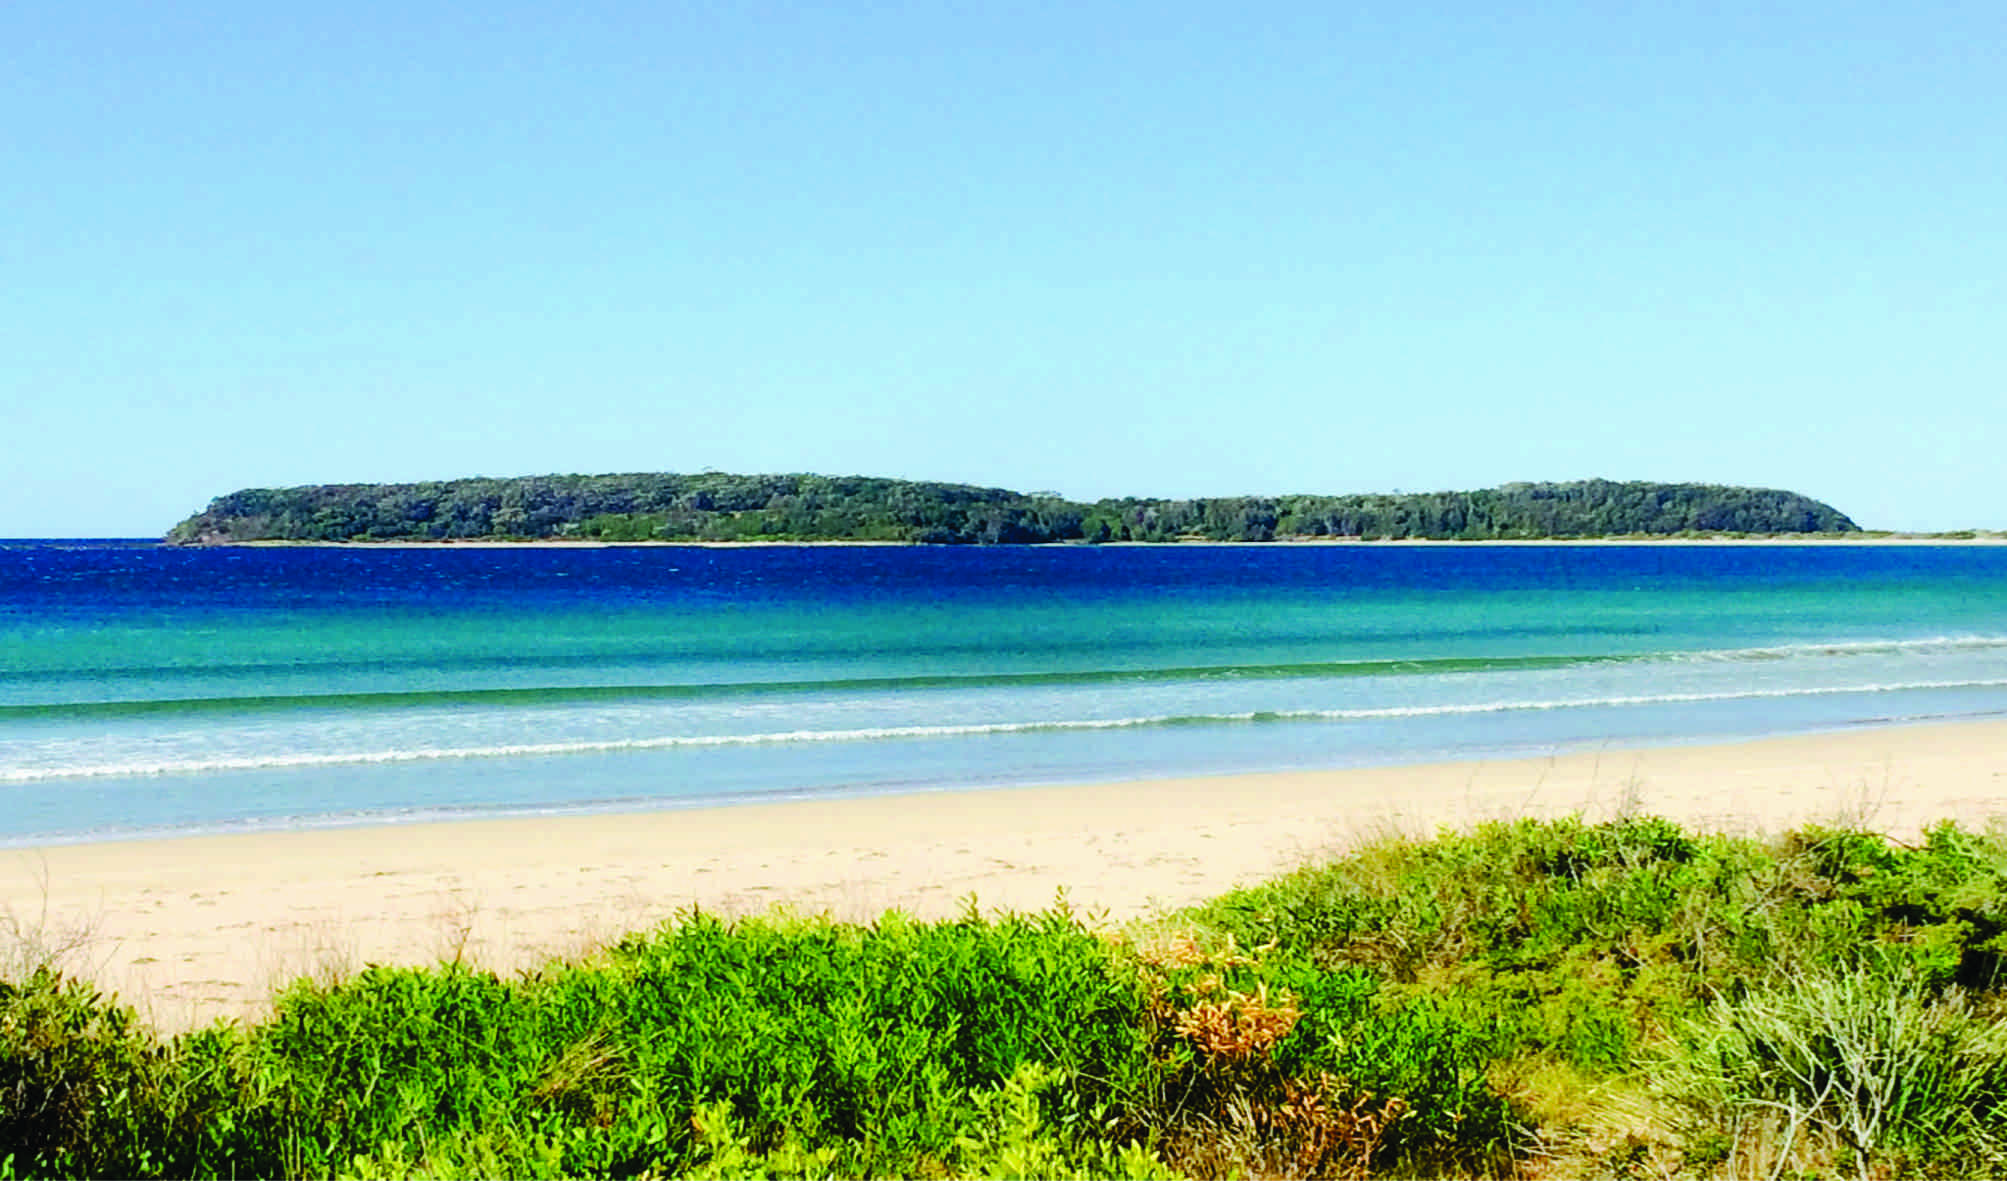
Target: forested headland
(716, 506)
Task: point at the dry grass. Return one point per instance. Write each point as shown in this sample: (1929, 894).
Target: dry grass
(45, 940)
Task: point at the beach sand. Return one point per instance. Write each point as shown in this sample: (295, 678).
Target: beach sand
(196, 928)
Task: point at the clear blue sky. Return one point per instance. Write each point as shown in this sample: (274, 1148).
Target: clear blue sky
(1169, 249)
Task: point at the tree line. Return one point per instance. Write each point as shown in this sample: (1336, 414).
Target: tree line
(717, 506)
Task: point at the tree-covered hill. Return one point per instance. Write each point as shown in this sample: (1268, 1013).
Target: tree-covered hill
(716, 506)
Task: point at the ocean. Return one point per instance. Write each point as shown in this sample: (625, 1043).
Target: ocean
(147, 690)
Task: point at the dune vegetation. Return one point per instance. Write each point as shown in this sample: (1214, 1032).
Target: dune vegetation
(1531, 998)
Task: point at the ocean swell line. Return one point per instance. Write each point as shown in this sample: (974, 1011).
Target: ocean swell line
(573, 694)
(555, 695)
(968, 730)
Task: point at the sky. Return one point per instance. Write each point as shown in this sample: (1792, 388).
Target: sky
(1092, 248)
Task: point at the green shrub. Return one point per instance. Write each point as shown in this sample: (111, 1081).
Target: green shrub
(75, 1077)
(867, 1040)
(1431, 1055)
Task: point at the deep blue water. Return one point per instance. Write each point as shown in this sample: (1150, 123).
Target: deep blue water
(145, 689)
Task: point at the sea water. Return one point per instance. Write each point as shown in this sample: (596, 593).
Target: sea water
(148, 690)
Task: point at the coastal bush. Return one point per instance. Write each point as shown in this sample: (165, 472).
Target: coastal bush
(1597, 948)
(868, 1043)
(1562, 997)
(1273, 1065)
(75, 1072)
(1578, 936)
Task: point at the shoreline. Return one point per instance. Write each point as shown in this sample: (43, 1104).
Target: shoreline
(1980, 538)
(194, 928)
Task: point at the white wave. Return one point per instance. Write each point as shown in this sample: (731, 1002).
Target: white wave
(1919, 646)
(199, 766)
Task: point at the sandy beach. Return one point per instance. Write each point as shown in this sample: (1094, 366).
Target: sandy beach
(203, 927)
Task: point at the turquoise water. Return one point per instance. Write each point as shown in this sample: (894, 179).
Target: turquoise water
(148, 690)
